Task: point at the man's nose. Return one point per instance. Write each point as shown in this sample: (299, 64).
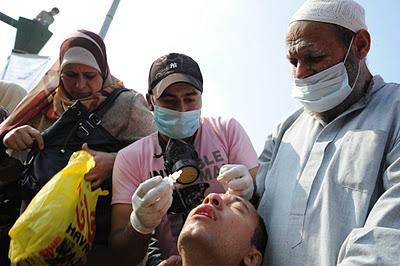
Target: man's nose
(181, 107)
(302, 70)
(215, 200)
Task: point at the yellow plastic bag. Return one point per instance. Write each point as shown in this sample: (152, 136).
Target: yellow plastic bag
(58, 226)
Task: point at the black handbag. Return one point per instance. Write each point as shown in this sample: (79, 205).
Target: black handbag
(74, 127)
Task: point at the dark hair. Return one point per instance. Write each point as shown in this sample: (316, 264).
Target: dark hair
(344, 35)
(260, 236)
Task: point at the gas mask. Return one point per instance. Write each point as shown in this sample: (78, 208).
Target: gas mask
(180, 155)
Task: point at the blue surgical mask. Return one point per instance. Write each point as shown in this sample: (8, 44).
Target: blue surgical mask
(174, 124)
(326, 89)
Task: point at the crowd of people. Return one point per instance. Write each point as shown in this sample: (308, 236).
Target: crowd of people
(191, 190)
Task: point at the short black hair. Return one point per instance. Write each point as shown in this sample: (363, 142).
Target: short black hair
(344, 35)
(260, 236)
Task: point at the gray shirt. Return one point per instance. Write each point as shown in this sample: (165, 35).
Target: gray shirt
(330, 194)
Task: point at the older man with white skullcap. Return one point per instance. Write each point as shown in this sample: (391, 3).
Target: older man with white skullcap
(329, 177)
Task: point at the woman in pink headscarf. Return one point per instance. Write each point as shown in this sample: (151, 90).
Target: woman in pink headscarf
(82, 74)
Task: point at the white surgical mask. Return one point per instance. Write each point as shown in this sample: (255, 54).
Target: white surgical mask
(326, 89)
(174, 124)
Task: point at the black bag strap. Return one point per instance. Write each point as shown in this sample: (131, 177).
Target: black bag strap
(94, 119)
(104, 106)
(78, 119)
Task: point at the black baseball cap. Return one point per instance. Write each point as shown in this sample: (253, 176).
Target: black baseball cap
(173, 68)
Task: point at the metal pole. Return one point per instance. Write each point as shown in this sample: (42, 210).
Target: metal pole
(109, 18)
(9, 20)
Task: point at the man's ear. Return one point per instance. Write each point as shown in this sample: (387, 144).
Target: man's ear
(253, 257)
(362, 43)
(149, 103)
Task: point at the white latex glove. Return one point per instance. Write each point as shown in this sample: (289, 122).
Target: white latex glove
(237, 180)
(150, 203)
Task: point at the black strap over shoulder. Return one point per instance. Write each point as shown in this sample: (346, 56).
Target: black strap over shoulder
(104, 106)
(95, 117)
(87, 121)
(74, 127)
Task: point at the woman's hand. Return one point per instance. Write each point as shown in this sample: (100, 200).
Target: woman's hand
(103, 168)
(22, 138)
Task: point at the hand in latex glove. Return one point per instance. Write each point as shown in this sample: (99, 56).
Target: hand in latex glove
(237, 179)
(150, 203)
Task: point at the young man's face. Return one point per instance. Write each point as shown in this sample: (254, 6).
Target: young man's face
(223, 224)
(180, 97)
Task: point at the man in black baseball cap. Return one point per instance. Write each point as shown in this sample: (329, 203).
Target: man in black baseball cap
(174, 80)
(145, 198)
(173, 68)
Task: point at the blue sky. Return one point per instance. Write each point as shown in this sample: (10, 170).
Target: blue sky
(239, 45)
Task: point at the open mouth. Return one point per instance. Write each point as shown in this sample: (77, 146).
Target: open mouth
(205, 210)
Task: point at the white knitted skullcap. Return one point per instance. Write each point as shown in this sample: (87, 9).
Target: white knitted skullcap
(346, 13)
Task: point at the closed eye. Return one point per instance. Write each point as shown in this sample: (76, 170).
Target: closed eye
(313, 59)
(238, 204)
(189, 100)
(89, 75)
(238, 207)
(169, 102)
(70, 74)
